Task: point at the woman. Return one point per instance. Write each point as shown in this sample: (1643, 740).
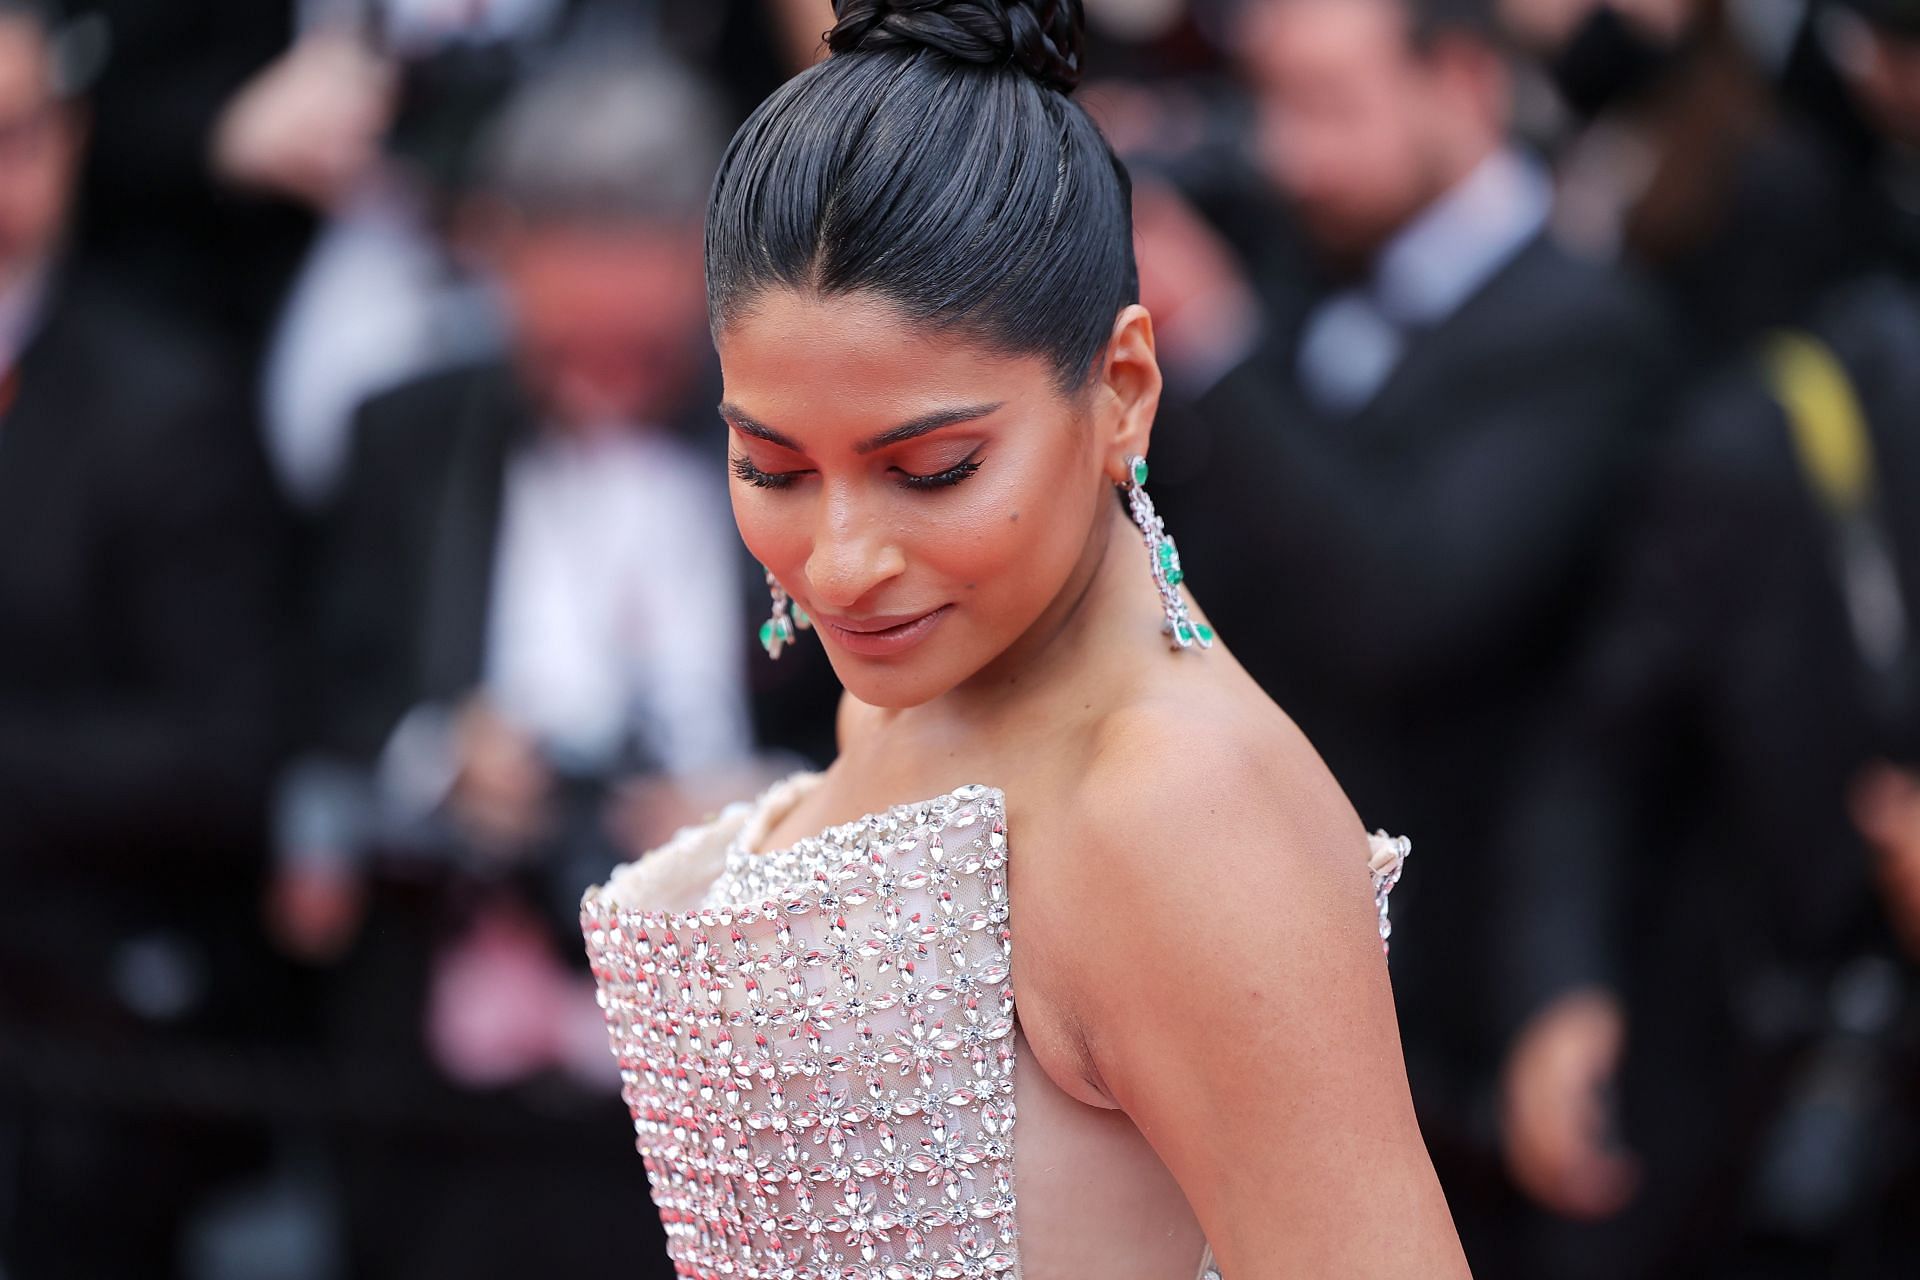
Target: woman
(1136, 912)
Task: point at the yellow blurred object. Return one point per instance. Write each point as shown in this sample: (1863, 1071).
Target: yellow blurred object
(1829, 429)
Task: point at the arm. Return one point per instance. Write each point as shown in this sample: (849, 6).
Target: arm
(1249, 1030)
(1582, 843)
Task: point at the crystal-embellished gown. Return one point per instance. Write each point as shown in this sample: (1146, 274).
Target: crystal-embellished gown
(820, 1049)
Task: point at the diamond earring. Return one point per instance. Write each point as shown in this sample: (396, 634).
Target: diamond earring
(1182, 631)
(779, 631)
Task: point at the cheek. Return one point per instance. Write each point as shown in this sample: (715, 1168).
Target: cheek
(980, 557)
(776, 538)
(1012, 550)
(967, 539)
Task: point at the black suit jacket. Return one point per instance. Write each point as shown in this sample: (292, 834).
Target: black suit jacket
(138, 562)
(1406, 582)
(152, 211)
(406, 571)
(1682, 838)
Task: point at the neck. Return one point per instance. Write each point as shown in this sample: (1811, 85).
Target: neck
(1460, 162)
(1445, 172)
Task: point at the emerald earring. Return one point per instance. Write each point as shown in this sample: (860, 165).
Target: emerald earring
(788, 619)
(1181, 630)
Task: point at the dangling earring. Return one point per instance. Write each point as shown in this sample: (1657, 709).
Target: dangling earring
(777, 632)
(1182, 631)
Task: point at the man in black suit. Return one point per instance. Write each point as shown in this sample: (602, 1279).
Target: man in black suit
(534, 612)
(1721, 969)
(136, 724)
(1409, 474)
(1716, 858)
(444, 608)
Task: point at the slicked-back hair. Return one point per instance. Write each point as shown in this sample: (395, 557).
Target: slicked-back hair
(935, 159)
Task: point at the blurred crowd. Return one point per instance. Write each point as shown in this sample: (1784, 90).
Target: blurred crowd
(1542, 430)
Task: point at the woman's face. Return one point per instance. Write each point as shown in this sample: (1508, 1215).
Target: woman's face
(923, 499)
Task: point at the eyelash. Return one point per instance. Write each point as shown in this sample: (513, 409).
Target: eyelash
(743, 468)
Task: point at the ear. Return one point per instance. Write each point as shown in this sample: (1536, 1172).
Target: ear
(1128, 394)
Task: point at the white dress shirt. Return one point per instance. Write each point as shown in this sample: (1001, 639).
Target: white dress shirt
(22, 298)
(616, 615)
(1355, 339)
(376, 304)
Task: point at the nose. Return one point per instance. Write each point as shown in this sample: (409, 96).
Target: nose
(854, 552)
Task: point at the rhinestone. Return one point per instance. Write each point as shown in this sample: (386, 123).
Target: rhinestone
(891, 985)
(770, 1039)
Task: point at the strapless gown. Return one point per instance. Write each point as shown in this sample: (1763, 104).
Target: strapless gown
(817, 1043)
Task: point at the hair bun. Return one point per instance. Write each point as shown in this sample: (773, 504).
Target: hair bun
(1041, 37)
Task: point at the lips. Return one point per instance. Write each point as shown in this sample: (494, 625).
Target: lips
(881, 635)
(874, 625)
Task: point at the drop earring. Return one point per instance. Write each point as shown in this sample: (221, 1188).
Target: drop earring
(788, 619)
(1181, 630)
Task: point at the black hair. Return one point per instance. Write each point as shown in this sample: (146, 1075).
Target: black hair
(935, 159)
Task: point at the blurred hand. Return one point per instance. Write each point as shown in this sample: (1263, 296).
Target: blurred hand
(1555, 1117)
(1190, 279)
(313, 913)
(502, 792)
(642, 813)
(500, 1002)
(308, 125)
(1885, 805)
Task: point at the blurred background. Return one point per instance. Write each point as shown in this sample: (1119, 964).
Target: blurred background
(1543, 431)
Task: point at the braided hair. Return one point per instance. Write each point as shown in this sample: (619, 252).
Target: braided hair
(936, 159)
(1043, 40)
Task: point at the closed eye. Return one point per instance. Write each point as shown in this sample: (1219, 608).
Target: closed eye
(940, 480)
(743, 468)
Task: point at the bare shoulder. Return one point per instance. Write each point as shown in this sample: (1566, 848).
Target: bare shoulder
(1238, 790)
(1221, 958)
(1223, 836)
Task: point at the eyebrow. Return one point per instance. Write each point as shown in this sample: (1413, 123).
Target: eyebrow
(920, 426)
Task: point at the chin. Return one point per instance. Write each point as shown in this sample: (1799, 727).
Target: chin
(895, 670)
(912, 678)
(897, 683)
(1347, 242)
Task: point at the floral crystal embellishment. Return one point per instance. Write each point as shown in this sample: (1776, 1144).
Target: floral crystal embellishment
(819, 1060)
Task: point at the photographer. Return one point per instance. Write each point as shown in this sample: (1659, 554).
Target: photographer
(1711, 874)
